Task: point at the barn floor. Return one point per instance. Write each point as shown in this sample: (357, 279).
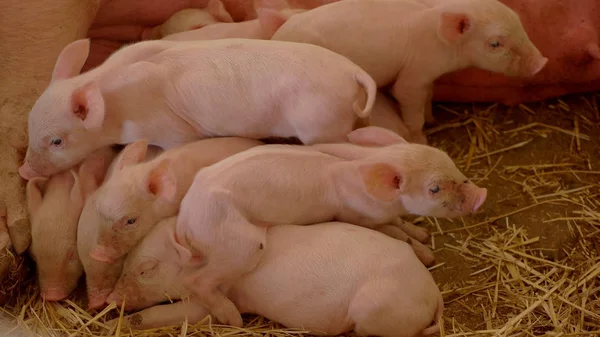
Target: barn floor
(527, 265)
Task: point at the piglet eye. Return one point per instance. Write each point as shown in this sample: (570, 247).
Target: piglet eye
(131, 221)
(435, 190)
(495, 44)
(55, 141)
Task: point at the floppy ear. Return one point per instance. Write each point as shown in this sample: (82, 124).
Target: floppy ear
(218, 11)
(88, 105)
(133, 153)
(71, 59)
(453, 26)
(186, 257)
(35, 193)
(382, 181)
(161, 181)
(374, 136)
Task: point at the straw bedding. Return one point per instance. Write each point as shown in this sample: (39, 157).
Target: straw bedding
(527, 265)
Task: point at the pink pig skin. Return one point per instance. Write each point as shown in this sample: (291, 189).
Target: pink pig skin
(564, 32)
(385, 114)
(100, 277)
(188, 19)
(367, 186)
(138, 195)
(267, 23)
(55, 205)
(412, 44)
(329, 266)
(194, 95)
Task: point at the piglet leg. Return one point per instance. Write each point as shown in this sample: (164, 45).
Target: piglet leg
(423, 252)
(230, 250)
(163, 315)
(415, 232)
(413, 105)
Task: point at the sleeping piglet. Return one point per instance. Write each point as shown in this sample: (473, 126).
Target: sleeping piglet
(225, 213)
(55, 205)
(189, 19)
(193, 89)
(329, 266)
(139, 194)
(413, 44)
(100, 277)
(263, 27)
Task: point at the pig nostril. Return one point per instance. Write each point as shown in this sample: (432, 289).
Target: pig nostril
(466, 181)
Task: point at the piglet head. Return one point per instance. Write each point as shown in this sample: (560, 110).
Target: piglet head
(55, 205)
(151, 273)
(135, 197)
(65, 121)
(421, 179)
(490, 36)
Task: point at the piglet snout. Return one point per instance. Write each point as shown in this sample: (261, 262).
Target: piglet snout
(538, 65)
(481, 195)
(27, 172)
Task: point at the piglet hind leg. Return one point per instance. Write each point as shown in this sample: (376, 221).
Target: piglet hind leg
(413, 101)
(163, 315)
(230, 250)
(422, 252)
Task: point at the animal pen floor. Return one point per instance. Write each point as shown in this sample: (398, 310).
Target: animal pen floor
(527, 265)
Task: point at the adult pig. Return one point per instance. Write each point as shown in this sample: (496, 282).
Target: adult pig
(194, 94)
(188, 19)
(413, 44)
(100, 277)
(329, 266)
(55, 205)
(218, 221)
(138, 195)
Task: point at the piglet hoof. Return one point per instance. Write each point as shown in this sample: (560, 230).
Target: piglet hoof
(418, 233)
(20, 234)
(423, 252)
(229, 315)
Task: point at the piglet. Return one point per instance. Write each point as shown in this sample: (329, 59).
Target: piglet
(366, 186)
(55, 205)
(139, 194)
(100, 277)
(268, 22)
(328, 266)
(413, 44)
(188, 19)
(194, 89)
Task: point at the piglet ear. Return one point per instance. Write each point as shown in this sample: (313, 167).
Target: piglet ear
(270, 21)
(374, 136)
(453, 26)
(162, 182)
(88, 105)
(133, 153)
(71, 59)
(35, 193)
(382, 181)
(218, 11)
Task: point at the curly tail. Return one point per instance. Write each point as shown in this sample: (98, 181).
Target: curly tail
(370, 87)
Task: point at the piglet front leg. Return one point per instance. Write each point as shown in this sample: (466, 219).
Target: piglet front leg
(423, 252)
(163, 315)
(413, 102)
